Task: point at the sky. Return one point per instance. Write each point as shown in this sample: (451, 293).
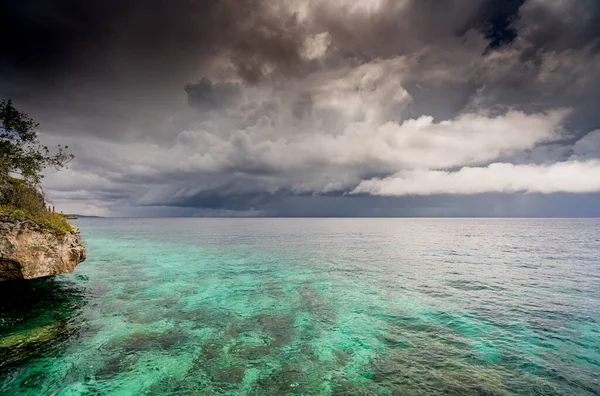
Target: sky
(312, 107)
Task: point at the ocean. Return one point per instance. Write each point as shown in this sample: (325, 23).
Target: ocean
(312, 307)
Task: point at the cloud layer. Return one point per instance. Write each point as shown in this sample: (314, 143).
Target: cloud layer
(264, 107)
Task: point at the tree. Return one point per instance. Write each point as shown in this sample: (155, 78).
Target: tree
(20, 149)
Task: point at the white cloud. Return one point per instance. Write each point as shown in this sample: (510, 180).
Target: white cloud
(570, 177)
(364, 8)
(316, 46)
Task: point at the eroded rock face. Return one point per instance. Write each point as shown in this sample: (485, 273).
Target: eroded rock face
(28, 252)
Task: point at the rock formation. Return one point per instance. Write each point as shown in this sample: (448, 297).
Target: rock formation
(29, 251)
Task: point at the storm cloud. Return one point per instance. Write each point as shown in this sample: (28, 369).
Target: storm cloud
(312, 107)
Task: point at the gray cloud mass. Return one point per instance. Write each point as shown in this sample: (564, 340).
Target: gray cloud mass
(313, 107)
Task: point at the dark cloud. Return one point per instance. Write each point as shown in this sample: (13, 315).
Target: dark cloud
(53, 38)
(396, 28)
(117, 68)
(205, 95)
(560, 25)
(306, 205)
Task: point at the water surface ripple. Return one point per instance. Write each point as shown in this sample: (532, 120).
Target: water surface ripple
(312, 306)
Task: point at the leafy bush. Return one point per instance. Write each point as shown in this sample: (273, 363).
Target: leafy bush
(24, 201)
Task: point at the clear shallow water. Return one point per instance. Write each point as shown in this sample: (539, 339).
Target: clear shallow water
(312, 306)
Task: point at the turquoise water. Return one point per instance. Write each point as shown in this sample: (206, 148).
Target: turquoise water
(312, 306)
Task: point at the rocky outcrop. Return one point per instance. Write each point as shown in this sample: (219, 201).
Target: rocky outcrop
(28, 251)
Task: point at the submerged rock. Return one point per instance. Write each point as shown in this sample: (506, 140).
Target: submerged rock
(29, 251)
(39, 334)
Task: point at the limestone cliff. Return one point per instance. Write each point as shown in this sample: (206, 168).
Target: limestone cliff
(29, 251)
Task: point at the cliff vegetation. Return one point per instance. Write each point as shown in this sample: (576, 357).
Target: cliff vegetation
(22, 161)
(34, 240)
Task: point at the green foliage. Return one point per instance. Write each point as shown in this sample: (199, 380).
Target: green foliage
(25, 202)
(21, 195)
(20, 149)
(52, 222)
